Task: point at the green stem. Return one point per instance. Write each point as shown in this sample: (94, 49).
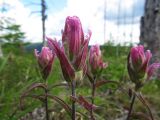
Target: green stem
(46, 105)
(93, 95)
(46, 99)
(131, 107)
(73, 102)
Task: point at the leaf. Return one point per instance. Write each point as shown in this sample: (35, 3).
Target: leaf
(89, 77)
(103, 82)
(84, 115)
(40, 97)
(83, 102)
(144, 102)
(140, 97)
(4, 63)
(33, 86)
(29, 89)
(61, 102)
(58, 85)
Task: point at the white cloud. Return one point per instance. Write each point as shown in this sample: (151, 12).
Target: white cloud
(30, 24)
(91, 14)
(89, 11)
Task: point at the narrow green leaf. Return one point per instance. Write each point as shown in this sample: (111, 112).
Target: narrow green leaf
(61, 102)
(103, 82)
(33, 86)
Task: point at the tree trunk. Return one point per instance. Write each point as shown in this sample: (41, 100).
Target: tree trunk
(150, 28)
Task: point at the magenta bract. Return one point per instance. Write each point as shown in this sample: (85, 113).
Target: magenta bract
(83, 102)
(45, 60)
(67, 69)
(80, 60)
(151, 69)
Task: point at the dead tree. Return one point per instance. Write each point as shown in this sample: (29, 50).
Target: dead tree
(150, 28)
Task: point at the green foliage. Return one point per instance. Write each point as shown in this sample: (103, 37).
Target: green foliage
(16, 48)
(3, 63)
(10, 32)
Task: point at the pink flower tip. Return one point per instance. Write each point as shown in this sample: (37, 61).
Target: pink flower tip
(151, 69)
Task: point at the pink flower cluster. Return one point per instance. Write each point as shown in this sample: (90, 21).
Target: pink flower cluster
(73, 52)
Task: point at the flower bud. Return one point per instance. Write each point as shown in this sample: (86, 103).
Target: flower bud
(45, 60)
(139, 58)
(73, 35)
(138, 64)
(95, 59)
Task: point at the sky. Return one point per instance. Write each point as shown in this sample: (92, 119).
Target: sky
(121, 19)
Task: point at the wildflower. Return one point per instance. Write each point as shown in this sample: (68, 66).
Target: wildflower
(139, 58)
(138, 64)
(95, 59)
(45, 60)
(74, 49)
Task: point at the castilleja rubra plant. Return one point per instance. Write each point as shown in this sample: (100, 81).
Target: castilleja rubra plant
(78, 63)
(73, 64)
(96, 65)
(45, 60)
(140, 70)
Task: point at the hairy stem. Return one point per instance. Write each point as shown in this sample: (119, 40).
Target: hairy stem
(73, 102)
(46, 99)
(131, 107)
(150, 113)
(93, 95)
(46, 104)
